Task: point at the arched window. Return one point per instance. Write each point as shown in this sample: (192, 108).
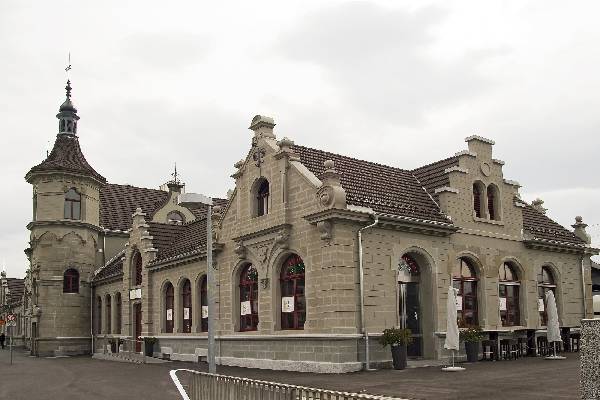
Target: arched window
(545, 282)
(249, 298)
(137, 268)
(478, 193)
(293, 302)
(204, 305)
(108, 314)
(169, 303)
(186, 301)
(262, 198)
(493, 200)
(99, 315)
(175, 218)
(465, 280)
(71, 281)
(119, 312)
(509, 287)
(72, 204)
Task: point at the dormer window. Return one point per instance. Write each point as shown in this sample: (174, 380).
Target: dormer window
(175, 218)
(262, 197)
(72, 205)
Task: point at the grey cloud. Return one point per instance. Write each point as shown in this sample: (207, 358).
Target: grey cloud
(378, 58)
(166, 50)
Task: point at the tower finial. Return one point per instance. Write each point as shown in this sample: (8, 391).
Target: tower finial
(175, 175)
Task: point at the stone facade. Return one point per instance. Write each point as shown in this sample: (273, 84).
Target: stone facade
(314, 205)
(590, 359)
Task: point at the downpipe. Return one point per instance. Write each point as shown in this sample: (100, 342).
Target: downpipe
(362, 291)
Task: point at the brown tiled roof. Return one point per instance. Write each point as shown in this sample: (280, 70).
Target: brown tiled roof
(543, 229)
(113, 268)
(385, 189)
(118, 203)
(16, 289)
(432, 176)
(66, 156)
(164, 234)
(191, 238)
(200, 209)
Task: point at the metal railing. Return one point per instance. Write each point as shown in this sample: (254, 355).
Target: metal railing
(205, 386)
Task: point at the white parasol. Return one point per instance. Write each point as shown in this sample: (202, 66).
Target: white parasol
(452, 341)
(553, 327)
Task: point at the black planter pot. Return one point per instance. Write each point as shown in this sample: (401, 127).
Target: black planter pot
(472, 349)
(148, 349)
(399, 356)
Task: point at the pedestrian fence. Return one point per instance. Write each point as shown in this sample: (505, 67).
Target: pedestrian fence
(206, 386)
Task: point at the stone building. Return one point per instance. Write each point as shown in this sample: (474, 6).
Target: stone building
(11, 302)
(123, 261)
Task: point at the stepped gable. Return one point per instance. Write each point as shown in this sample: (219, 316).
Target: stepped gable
(113, 268)
(16, 288)
(385, 189)
(118, 203)
(66, 156)
(191, 239)
(544, 229)
(432, 176)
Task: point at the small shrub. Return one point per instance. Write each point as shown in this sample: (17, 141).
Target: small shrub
(396, 336)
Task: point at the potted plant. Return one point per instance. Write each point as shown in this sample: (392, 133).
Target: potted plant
(472, 336)
(149, 346)
(397, 339)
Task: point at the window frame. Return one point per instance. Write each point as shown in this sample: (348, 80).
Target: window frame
(169, 304)
(460, 280)
(176, 221)
(248, 291)
(138, 276)
(299, 296)
(186, 302)
(203, 302)
(542, 287)
(512, 314)
(71, 281)
(263, 192)
(479, 197)
(69, 205)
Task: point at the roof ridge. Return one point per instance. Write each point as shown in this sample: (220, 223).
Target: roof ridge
(435, 162)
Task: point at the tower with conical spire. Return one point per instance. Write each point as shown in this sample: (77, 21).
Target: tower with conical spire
(64, 242)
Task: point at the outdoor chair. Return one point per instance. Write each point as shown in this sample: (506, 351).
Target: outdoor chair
(575, 337)
(522, 347)
(490, 350)
(542, 346)
(508, 349)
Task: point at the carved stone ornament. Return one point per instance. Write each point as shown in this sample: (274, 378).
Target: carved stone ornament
(262, 252)
(486, 170)
(282, 239)
(259, 156)
(240, 250)
(325, 227)
(264, 283)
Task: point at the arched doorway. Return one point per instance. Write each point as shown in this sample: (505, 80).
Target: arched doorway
(409, 304)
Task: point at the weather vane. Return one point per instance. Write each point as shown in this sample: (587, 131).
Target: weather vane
(68, 66)
(175, 175)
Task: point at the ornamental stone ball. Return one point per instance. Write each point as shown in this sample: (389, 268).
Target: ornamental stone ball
(578, 219)
(329, 164)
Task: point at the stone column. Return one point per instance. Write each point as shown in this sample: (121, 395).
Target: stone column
(113, 314)
(590, 359)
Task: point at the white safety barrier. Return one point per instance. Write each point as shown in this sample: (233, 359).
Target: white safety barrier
(205, 386)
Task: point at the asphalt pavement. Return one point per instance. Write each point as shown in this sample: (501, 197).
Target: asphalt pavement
(78, 378)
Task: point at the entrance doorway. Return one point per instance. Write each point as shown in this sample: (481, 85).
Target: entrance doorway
(137, 313)
(409, 304)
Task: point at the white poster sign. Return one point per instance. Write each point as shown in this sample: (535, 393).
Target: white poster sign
(186, 313)
(541, 307)
(459, 303)
(138, 293)
(132, 294)
(169, 314)
(245, 308)
(287, 304)
(502, 301)
(204, 311)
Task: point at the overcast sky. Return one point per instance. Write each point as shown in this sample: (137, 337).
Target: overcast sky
(397, 82)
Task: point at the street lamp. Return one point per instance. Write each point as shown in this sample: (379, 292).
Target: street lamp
(189, 199)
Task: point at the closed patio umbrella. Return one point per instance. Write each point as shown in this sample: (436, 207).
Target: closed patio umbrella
(553, 328)
(452, 341)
